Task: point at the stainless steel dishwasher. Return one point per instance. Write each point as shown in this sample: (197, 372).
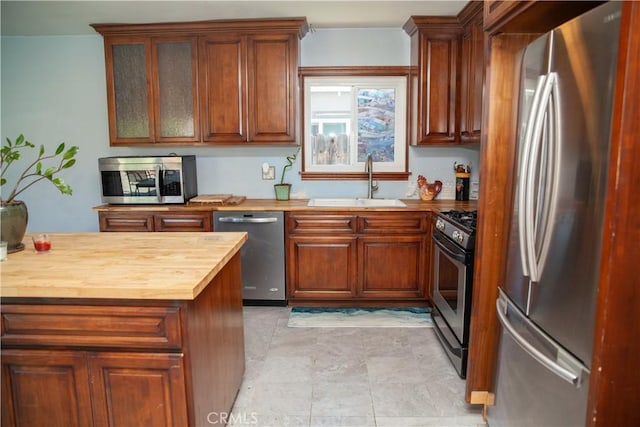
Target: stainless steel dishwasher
(262, 256)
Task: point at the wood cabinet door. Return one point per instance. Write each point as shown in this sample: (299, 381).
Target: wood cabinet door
(45, 388)
(126, 221)
(392, 266)
(129, 90)
(138, 389)
(184, 221)
(471, 81)
(437, 93)
(223, 88)
(151, 89)
(175, 83)
(321, 267)
(272, 70)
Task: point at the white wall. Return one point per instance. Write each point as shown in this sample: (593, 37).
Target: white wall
(53, 89)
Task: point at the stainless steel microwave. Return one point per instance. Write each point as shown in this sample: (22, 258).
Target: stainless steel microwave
(148, 179)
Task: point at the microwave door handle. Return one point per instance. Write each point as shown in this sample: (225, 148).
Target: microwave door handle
(158, 169)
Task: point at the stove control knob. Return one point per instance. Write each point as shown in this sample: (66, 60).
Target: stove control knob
(440, 224)
(457, 236)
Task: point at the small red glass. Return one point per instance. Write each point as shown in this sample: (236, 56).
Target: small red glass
(41, 243)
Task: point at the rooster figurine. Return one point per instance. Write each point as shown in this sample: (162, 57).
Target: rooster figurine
(428, 191)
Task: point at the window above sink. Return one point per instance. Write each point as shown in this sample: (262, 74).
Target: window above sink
(351, 112)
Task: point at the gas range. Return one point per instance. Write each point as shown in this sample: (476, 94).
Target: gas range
(459, 226)
(453, 240)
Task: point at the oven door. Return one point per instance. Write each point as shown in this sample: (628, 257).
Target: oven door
(452, 275)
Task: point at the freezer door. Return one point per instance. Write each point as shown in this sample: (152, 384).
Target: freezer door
(532, 391)
(535, 66)
(563, 295)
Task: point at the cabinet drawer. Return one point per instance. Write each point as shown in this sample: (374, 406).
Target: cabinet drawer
(90, 326)
(325, 224)
(392, 224)
(196, 221)
(118, 221)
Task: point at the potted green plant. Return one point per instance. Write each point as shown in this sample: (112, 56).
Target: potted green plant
(13, 212)
(283, 189)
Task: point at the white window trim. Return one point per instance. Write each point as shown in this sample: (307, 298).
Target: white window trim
(398, 84)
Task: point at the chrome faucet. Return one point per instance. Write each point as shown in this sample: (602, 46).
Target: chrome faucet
(368, 168)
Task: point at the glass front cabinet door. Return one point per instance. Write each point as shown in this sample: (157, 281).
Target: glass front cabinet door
(151, 90)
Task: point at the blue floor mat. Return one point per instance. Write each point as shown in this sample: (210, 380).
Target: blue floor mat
(366, 317)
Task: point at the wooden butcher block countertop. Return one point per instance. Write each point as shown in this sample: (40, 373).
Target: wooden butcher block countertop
(292, 205)
(119, 265)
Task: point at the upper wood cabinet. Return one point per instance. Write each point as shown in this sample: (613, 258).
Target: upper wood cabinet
(212, 82)
(435, 54)
(151, 89)
(471, 72)
(447, 56)
(248, 88)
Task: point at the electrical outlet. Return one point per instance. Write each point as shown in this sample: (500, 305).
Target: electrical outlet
(269, 173)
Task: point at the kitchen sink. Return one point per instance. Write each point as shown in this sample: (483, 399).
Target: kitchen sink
(356, 203)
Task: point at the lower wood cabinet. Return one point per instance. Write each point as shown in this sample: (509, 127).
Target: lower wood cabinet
(91, 362)
(155, 221)
(392, 267)
(60, 388)
(357, 256)
(322, 267)
(41, 388)
(138, 389)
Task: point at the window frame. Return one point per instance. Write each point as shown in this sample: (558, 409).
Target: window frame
(317, 172)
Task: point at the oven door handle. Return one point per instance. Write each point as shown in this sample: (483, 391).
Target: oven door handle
(448, 248)
(453, 350)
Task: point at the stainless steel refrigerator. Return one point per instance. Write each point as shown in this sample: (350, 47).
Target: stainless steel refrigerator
(547, 303)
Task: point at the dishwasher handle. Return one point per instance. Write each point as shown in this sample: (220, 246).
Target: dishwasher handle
(247, 220)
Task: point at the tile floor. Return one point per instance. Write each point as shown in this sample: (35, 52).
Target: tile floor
(346, 377)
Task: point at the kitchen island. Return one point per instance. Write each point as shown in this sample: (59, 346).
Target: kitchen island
(122, 329)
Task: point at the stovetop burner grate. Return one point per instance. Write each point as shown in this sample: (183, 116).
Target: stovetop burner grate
(464, 219)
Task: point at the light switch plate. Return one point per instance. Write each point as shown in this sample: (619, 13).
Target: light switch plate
(269, 174)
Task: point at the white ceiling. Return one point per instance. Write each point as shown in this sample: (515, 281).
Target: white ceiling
(26, 17)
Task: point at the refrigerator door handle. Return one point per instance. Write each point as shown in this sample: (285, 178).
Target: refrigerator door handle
(569, 369)
(535, 148)
(548, 197)
(522, 178)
